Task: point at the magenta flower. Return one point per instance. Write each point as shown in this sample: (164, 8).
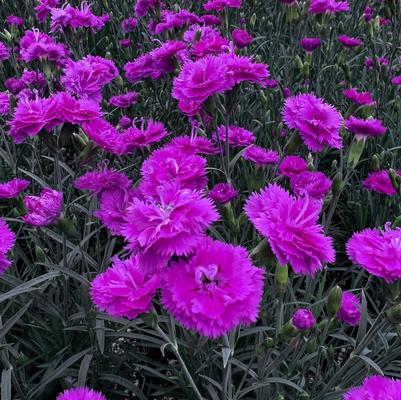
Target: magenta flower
(194, 145)
(142, 7)
(210, 20)
(171, 20)
(14, 20)
(377, 251)
(314, 184)
(376, 388)
(396, 80)
(216, 290)
(370, 63)
(124, 122)
(13, 188)
(4, 104)
(360, 98)
(318, 123)
(214, 43)
(292, 165)
(124, 290)
(310, 44)
(124, 100)
(237, 136)
(363, 128)
(169, 164)
(129, 24)
(171, 222)
(44, 209)
(290, 225)
(44, 7)
(328, 6)
(125, 43)
(4, 52)
(81, 393)
(260, 155)
(379, 181)
(349, 42)
(303, 319)
(223, 193)
(140, 68)
(368, 14)
(350, 309)
(241, 38)
(7, 241)
(220, 5)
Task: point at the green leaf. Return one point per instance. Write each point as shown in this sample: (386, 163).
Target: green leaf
(13, 320)
(6, 384)
(371, 363)
(83, 369)
(124, 383)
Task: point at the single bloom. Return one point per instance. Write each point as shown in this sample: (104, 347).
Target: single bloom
(350, 309)
(124, 100)
(349, 42)
(237, 136)
(314, 184)
(318, 123)
(291, 228)
(124, 290)
(7, 241)
(14, 20)
(292, 165)
(359, 98)
(4, 52)
(81, 393)
(129, 24)
(260, 156)
(363, 128)
(303, 319)
(13, 188)
(328, 6)
(376, 387)
(220, 5)
(310, 44)
(377, 251)
(44, 209)
(4, 104)
(223, 193)
(379, 181)
(44, 7)
(216, 290)
(241, 38)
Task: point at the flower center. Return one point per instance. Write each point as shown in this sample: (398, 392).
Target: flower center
(207, 275)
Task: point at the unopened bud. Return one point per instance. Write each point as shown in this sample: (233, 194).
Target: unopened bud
(393, 314)
(355, 152)
(375, 163)
(337, 184)
(334, 300)
(67, 227)
(281, 275)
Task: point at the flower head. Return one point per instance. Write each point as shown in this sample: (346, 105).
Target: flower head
(290, 225)
(4, 52)
(379, 181)
(237, 136)
(360, 98)
(241, 38)
(350, 309)
(44, 7)
(129, 24)
(260, 155)
(142, 7)
(4, 104)
(314, 184)
(124, 100)
(81, 393)
(310, 44)
(376, 388)
(223, 193)
(363, 128)
(303, 319)
(377, 251)
(13, 188)
(328, 6)
(220, 5)
(216, 290)
(44, 209)
(14, 20)
(349, 42)
(292, 165)
(7, 241)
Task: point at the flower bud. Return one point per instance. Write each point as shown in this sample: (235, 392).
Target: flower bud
(312, 345)
(337, 184)
(67, 226)
(334, 300)
(375, 163)
(40, 254)
(293, 143)
(393, 314)
(229, 218)
(397, 223)
(288, 331)
(281, 275)
(355, 152)
(299, 63)
(252, 20)
(150, 319)
(393, 178)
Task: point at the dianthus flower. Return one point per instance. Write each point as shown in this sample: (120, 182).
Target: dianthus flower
(328, 6)
(360, 98)
(4, 104)
(214, 43)
(349, 42)
(167, 164)
(7, 241)
(223, 193)
(124, 290)
(14, 20)
(350, 309)
(194, 145)
(241, 38)
(310, 44)
(129, 24)
(210, 20)
(175, 20)
(292, 165)
(4, 52)
(379, 181)
(376, 388)
(125, 43)
(124, 100)
(81, 393)
(370, 63)
(171, 222)
(362, 128)
(260, 155)
(377, 251)
(13, 188)
(314, 184)
(396, 80)
(303, 319)
(44, 7)
(140, 68)
(237, 136)
(318, 123)
(220, 5)
(142, 7)
(44, 209)
(85, 78)
(290, 225)
(36, 45)
(216, 290)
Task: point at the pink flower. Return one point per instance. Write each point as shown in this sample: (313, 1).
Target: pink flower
(125, 43)
(171, 222)
(124, 290)
(129, 24)
(260, 155)
(314, 184)
(44, 209)
(81, 393)
(175, 20)
(368, 13)
(194, 145)
(349, 42)
(85, 78)
(214, 43)
(169, 164)
(290, 225)
(142, 7)
(328, 6)
(317, 122)
(360, 98)
(124, 100)
(223, 193)
(241, 38)
(379, 181)
(370, 63)
(220, 5)
(140, 68)
(303, 319)
(350, 309)
(14, 20)
(4, 104)
(7, 241)
(396, 80)
(376, 388)
(237, 136)
(362, 128)
(210, 20)
(13, 188)
(216, 290)
(292, 165)
(310, 44)
(377, 251)
(44, 7)
(4, 52)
